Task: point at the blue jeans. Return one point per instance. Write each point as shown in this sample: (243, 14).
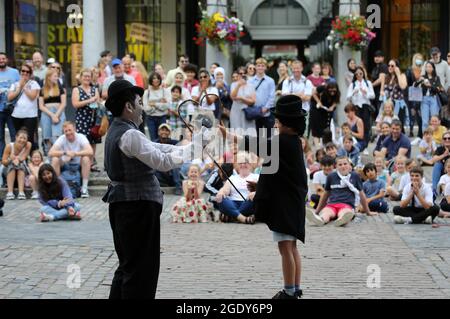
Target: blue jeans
(236, 208)
(438, 171)
(6, 119)
(402, 111)
(429, 108)
(60, 214)
(51, 131)
(379, 206)
(153, 123)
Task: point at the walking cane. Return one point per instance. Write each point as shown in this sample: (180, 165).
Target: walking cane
(206, 123)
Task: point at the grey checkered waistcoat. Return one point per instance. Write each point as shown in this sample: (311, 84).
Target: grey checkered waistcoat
(131, 180)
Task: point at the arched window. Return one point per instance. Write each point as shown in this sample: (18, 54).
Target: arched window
(279, 12)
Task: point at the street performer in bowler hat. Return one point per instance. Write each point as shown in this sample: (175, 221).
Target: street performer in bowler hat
(134, 194)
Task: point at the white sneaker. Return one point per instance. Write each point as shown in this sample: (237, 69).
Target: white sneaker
(84, 193)
(402, 220)
(35, 195)
(313, 218)
(429, 220)
(344, 219)
(10, 196)
(44, 218)
(22, 196)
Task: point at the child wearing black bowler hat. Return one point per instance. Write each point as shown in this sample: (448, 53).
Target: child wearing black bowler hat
(280, 196)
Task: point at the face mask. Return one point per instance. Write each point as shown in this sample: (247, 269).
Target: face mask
(419, 62)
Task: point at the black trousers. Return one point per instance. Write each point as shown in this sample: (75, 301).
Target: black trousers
(364, 114)
(445, 206)
(417, 214)
(136, 234)
(31, 124)
(265, 123)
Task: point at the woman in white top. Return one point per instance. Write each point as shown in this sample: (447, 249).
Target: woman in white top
(243, 95)
(359, 93)
(180, 79)
(25, 112)
(156, 104)
(205, 89)
(230, 202)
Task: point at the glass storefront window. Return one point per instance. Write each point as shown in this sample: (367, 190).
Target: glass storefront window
(143, 30)
(413, 26)
(42, 25)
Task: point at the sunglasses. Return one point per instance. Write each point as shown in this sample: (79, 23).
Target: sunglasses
(204, 77)
(25, 71)
(446, 139)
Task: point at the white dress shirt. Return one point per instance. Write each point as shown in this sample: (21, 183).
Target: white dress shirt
(357, 97)
(425, 191)
(302, 86)
(161, 157)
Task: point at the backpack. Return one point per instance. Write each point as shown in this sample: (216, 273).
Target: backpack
(72, 176)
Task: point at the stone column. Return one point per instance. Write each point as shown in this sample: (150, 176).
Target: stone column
(93, 31)
(213, 54)
(341, 56)
(2, 26)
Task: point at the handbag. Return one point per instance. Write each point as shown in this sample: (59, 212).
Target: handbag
(443, 98)
(9, 107)
(253, 113)
(101, 124)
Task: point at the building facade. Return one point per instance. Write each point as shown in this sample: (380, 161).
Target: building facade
(156, 31)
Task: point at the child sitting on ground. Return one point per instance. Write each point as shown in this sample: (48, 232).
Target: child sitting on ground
(417, 205)
(375, 190)
(382, 172)
(217, 181)
(320, 153)
(15, 161)
(427, 148)
(320, 180)
(350, 150)
(385, 132)
(331, 150)
(386, 115)
(445, 204)
(191, 208)
(55, 197)
(346, 130)
(342, 190)
(37, 160)
(393, 189)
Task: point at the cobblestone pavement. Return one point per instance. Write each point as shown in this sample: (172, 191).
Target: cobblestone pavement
(222, 260)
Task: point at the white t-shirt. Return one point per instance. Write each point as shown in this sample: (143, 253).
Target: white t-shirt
(445, 180)
(447, 190)
(77, 145)
(26, 108)
(320, 179)
(406, 180)
(241, 184)
(425, 191)
(210, 90)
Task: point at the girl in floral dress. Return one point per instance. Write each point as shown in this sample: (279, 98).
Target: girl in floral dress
(191, 208)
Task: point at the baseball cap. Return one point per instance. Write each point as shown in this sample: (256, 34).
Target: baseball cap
(435, 50)
(166, 126)
(51, 61)
(116, 62)
(379, 53)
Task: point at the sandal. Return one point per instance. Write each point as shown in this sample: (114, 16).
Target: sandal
(224, 218)
(95, 169)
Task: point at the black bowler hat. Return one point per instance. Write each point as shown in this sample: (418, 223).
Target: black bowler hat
(289, 106)
(116, 89)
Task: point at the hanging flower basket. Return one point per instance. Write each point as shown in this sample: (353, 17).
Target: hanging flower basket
(350, 31)
(218, 30)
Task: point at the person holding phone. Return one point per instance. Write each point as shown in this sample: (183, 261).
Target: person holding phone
(243, 96)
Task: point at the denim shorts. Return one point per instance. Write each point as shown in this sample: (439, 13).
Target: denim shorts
(52, 131)
(280, 237)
